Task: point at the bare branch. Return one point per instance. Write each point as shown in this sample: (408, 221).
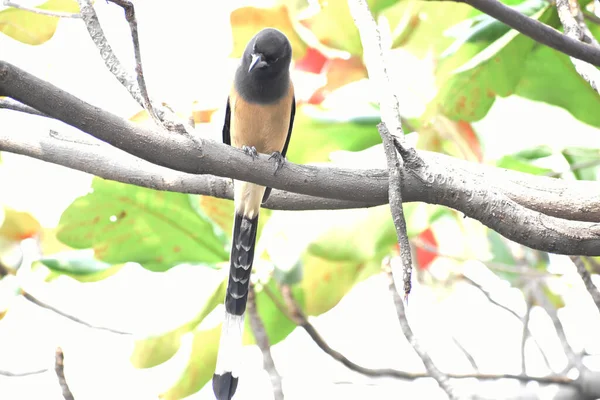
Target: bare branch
(59, 368)
(40, 303)
(587, 280)
(572, 29)
(435, 179)
(525, 333)
(467, 355)
(262, 341)
(395, 196)
(21, 374)
(292, 310)
(574, 359)
(536, 30)
(440, 377)
(374, 55)
(10, 104)
(50, 13)
(90, 18)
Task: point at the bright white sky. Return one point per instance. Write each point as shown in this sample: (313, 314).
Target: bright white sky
(184, 48)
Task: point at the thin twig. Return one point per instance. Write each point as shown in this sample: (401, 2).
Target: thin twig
(294, 313)
(131, 19)
(262, 341)
(59, 368)
(587, 280)
(576, 167)
(90, 18)
(573, 30)
(10, 104)
(20, 374)
(162, 116)
(40, 303)
(574, 359)
(467, 355)
(50, 13)
(489, 297)
(375, 56)
(440, 377)
(525, 332)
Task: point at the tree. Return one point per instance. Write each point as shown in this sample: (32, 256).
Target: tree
(145, 207)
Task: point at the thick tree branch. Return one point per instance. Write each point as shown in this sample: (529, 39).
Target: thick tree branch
(536, 30)
(436, 180)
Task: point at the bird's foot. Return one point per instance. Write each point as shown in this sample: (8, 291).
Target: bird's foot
(279, 161)
(251, 151)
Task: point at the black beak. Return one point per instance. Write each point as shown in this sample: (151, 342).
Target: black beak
(257, 62)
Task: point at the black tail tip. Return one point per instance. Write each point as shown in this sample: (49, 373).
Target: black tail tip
(224, 385)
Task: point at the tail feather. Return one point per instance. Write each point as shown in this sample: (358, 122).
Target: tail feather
(242, 256)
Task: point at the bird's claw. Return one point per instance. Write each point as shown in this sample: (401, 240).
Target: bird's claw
(279, 160)
(251, 151)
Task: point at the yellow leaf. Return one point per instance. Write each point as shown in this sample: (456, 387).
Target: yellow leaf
(18, 225)
(31, 28)
(248, 21)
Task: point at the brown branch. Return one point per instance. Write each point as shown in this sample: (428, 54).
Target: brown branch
(132, 21)
(572, 29)
(21, 374)
(50, 13)
(262, 341)
(440, 377)
(587, 280)
(10, 104)
(536, 30)
(59, 368)
(292, 310)
(395, 196)
(40, 303)
(435, 180)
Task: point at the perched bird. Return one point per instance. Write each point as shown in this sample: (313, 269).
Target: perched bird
(258, 119)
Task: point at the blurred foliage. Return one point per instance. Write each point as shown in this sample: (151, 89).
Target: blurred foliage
(475, 59)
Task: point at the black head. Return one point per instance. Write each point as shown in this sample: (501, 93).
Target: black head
(267, 55)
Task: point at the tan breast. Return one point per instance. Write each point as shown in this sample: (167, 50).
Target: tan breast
(264, 126)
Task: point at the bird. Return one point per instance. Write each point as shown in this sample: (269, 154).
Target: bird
(259, 118)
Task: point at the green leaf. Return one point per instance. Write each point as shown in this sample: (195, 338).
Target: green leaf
(31, 28)
(202, 361)
(517, 164)
(535, 153)
(126, 223)
(317, 133)
(334, 27)
(155, 350)
(568, 89)
(579, 156)
(470, 81)
(485, 28)
(78, 264)
(201, 365)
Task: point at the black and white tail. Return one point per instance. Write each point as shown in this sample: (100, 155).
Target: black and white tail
(225, 379)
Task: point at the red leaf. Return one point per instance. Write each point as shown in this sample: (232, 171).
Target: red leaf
(425, 257)
(313, 61)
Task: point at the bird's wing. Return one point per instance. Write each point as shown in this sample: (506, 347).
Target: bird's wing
(226, 133)
(287, 142)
